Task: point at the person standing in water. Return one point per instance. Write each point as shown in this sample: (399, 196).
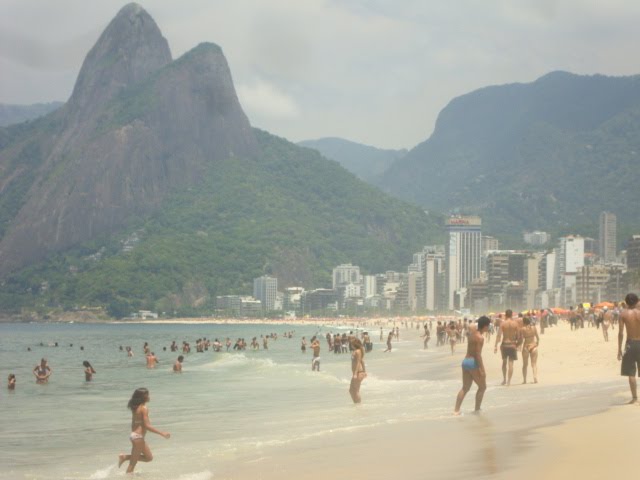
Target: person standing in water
(42, 372)
(177, 366)
(151, 360)
(315, 361)
(140, 425)
(11, 385)
(358, 370)
(88, 371)
(472, 365)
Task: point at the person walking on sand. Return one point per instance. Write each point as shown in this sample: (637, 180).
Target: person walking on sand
(473, 367)
(606, 323)
(452, 333)
(140, 424)
(630, 320)
(508, 333)
(426, 336)
(88, 371)
(315, 361)
(531, 340)
(358, 370)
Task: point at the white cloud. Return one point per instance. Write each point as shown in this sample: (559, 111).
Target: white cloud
(265, 101)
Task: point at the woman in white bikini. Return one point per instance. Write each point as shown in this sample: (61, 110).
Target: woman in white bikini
(140, 424)
(530, 349)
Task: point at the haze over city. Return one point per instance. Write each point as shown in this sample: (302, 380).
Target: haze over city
(376, 72)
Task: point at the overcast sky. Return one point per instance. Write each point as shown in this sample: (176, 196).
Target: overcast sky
(373, 71)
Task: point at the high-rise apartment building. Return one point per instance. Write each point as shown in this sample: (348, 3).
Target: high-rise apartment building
(265, 289)
(489, 243)
(370, 286)
(633, 252)
(435, 279)
(463, 253)
(569, 260)
(536, 238)
(607, 245)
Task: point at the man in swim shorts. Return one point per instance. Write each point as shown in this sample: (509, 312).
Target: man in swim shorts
(509, 333)
(472, 366)
(630, 319)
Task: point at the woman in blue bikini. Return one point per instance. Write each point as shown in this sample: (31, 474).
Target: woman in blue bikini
(140, 424)
(472, 366)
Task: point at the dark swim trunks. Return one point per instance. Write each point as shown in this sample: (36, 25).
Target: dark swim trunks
(509, 351)
(631, 359)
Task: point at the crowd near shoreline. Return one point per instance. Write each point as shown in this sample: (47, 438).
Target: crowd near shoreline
(515, 335)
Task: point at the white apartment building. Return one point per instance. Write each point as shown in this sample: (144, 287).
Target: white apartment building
(536, 238)
(345, 274)
(370, 286)
(569, 260)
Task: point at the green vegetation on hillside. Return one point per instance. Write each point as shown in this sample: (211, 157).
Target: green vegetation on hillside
(289, 213)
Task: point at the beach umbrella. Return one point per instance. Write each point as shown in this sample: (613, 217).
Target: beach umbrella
(605, 304)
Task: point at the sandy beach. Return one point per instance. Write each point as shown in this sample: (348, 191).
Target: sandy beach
(592, 438)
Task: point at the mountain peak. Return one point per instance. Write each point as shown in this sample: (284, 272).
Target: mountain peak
(127, 52)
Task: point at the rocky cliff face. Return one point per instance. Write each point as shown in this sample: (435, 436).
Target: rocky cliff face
(136, 127)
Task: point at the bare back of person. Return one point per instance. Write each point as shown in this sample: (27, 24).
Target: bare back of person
(509, 328)
(509, 335)
(630, 321)
(630, 318)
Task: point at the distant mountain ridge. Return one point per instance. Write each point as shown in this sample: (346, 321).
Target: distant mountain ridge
(553, 152)
(12, 114)
(157, 155)
(365, 161)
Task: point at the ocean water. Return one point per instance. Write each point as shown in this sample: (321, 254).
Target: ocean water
(226, 408)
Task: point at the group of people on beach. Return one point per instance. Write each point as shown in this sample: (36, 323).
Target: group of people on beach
(521, 335)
